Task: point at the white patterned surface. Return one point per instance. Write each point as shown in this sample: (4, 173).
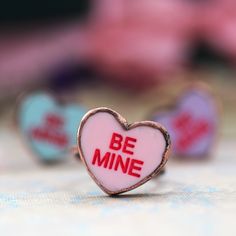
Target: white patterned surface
(190, 199)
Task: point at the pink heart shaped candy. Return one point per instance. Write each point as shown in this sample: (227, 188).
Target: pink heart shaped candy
(121, 156)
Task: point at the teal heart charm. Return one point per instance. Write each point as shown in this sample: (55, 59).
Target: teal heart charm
(48, 127)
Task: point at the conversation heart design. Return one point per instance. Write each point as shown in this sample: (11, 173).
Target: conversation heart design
(121, 156)
(48, 127)
(192, 123)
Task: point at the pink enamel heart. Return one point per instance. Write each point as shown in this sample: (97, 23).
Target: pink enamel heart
(119, 156)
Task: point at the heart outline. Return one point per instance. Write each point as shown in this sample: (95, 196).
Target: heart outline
(31, 149)
(126, 126)
(173, 107)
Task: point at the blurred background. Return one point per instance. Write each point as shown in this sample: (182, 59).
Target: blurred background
(117, 53)
(127, 55)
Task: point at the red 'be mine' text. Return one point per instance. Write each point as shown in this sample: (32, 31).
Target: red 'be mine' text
(51, 131)
(114, 161)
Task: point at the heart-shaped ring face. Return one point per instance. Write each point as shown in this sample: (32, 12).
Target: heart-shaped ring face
(121, 156)
(48, 127)
(192, 123)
